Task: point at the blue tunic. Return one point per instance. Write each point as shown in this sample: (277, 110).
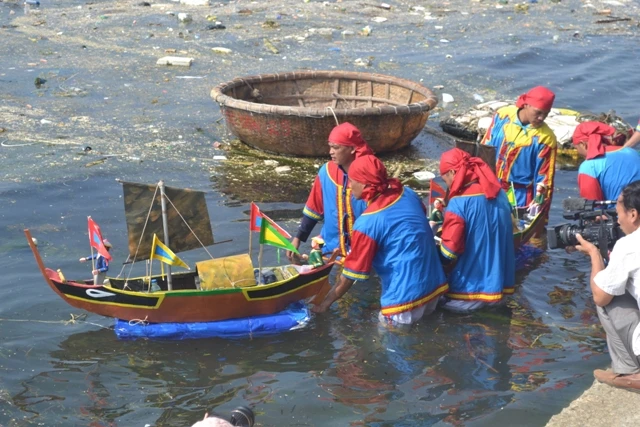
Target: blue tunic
(393, 236)
(478, 233)
(604, 177)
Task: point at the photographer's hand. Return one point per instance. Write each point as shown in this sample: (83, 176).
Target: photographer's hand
(585, 247)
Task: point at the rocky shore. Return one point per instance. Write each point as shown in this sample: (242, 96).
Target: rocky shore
(600, 406)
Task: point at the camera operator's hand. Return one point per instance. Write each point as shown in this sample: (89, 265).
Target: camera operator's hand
(585, 247)
(602, 218)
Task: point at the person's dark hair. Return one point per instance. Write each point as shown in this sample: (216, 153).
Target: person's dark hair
(631, 196)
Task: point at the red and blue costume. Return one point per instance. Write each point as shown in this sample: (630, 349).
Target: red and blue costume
(393, 237)
(477, 232)
(330, 198)
(525, 155)
(607, 169)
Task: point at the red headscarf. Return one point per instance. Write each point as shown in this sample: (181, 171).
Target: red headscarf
(592, 133)
(539, 97)
(468, 169)
(370, 171)
(349, 135)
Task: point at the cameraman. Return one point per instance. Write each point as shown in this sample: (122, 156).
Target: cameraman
(616, 292)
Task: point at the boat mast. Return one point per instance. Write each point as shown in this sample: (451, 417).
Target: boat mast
(165, 228)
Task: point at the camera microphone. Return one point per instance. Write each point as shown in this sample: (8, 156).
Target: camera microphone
(580, 204)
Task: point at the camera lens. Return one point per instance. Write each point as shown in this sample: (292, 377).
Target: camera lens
(242, 416)
(568, 235)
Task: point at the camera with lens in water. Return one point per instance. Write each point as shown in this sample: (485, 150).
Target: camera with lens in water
(597, 223)
(241, 416)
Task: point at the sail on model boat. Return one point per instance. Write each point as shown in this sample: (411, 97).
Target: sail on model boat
(219, 288)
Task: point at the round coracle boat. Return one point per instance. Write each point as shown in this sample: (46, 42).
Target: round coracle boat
(293, 113)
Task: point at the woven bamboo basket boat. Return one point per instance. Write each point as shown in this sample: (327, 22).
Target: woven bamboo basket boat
(293, 113)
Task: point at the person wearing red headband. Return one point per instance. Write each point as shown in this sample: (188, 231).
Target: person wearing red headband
(607, 168)
(477, 234)
(330, 198)
(393, 237)
(525, 146)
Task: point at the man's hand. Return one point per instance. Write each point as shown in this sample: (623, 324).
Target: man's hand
(585, 247)
(321, 308)
(294, 257)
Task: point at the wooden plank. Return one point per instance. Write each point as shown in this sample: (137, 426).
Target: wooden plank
(354, 85)
(370, 93)
(335, 98)
(336, 89)
(409, 97)
(300, 100)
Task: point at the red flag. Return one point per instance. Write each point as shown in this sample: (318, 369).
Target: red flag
(255, 218)
(95, 239)
(436, 192)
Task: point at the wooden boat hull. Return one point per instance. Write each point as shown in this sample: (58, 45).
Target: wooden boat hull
(185, 306)
(535, 228)
(293, 113)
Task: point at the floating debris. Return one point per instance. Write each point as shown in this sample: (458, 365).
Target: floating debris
(223, 50)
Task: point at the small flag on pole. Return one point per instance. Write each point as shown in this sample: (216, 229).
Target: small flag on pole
(269, 235)
(96, 240)
(511, 195)
(436, 192)
(164, 254)
(256, 217)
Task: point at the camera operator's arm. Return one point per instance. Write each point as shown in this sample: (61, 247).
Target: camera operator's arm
(600, 297)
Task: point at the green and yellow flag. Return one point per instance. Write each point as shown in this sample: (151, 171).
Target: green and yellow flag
(511, 195)
(269, 235)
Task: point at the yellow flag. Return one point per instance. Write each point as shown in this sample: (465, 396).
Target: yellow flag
(164, 254)
(511, 195)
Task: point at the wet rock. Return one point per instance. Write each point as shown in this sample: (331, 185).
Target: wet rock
(39, 81)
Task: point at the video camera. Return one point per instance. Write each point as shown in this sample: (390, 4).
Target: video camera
(241, 416)
(597, 223)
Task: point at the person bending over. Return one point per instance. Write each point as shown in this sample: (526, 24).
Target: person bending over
(607, 168)
(393, 237)
(477, 235)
